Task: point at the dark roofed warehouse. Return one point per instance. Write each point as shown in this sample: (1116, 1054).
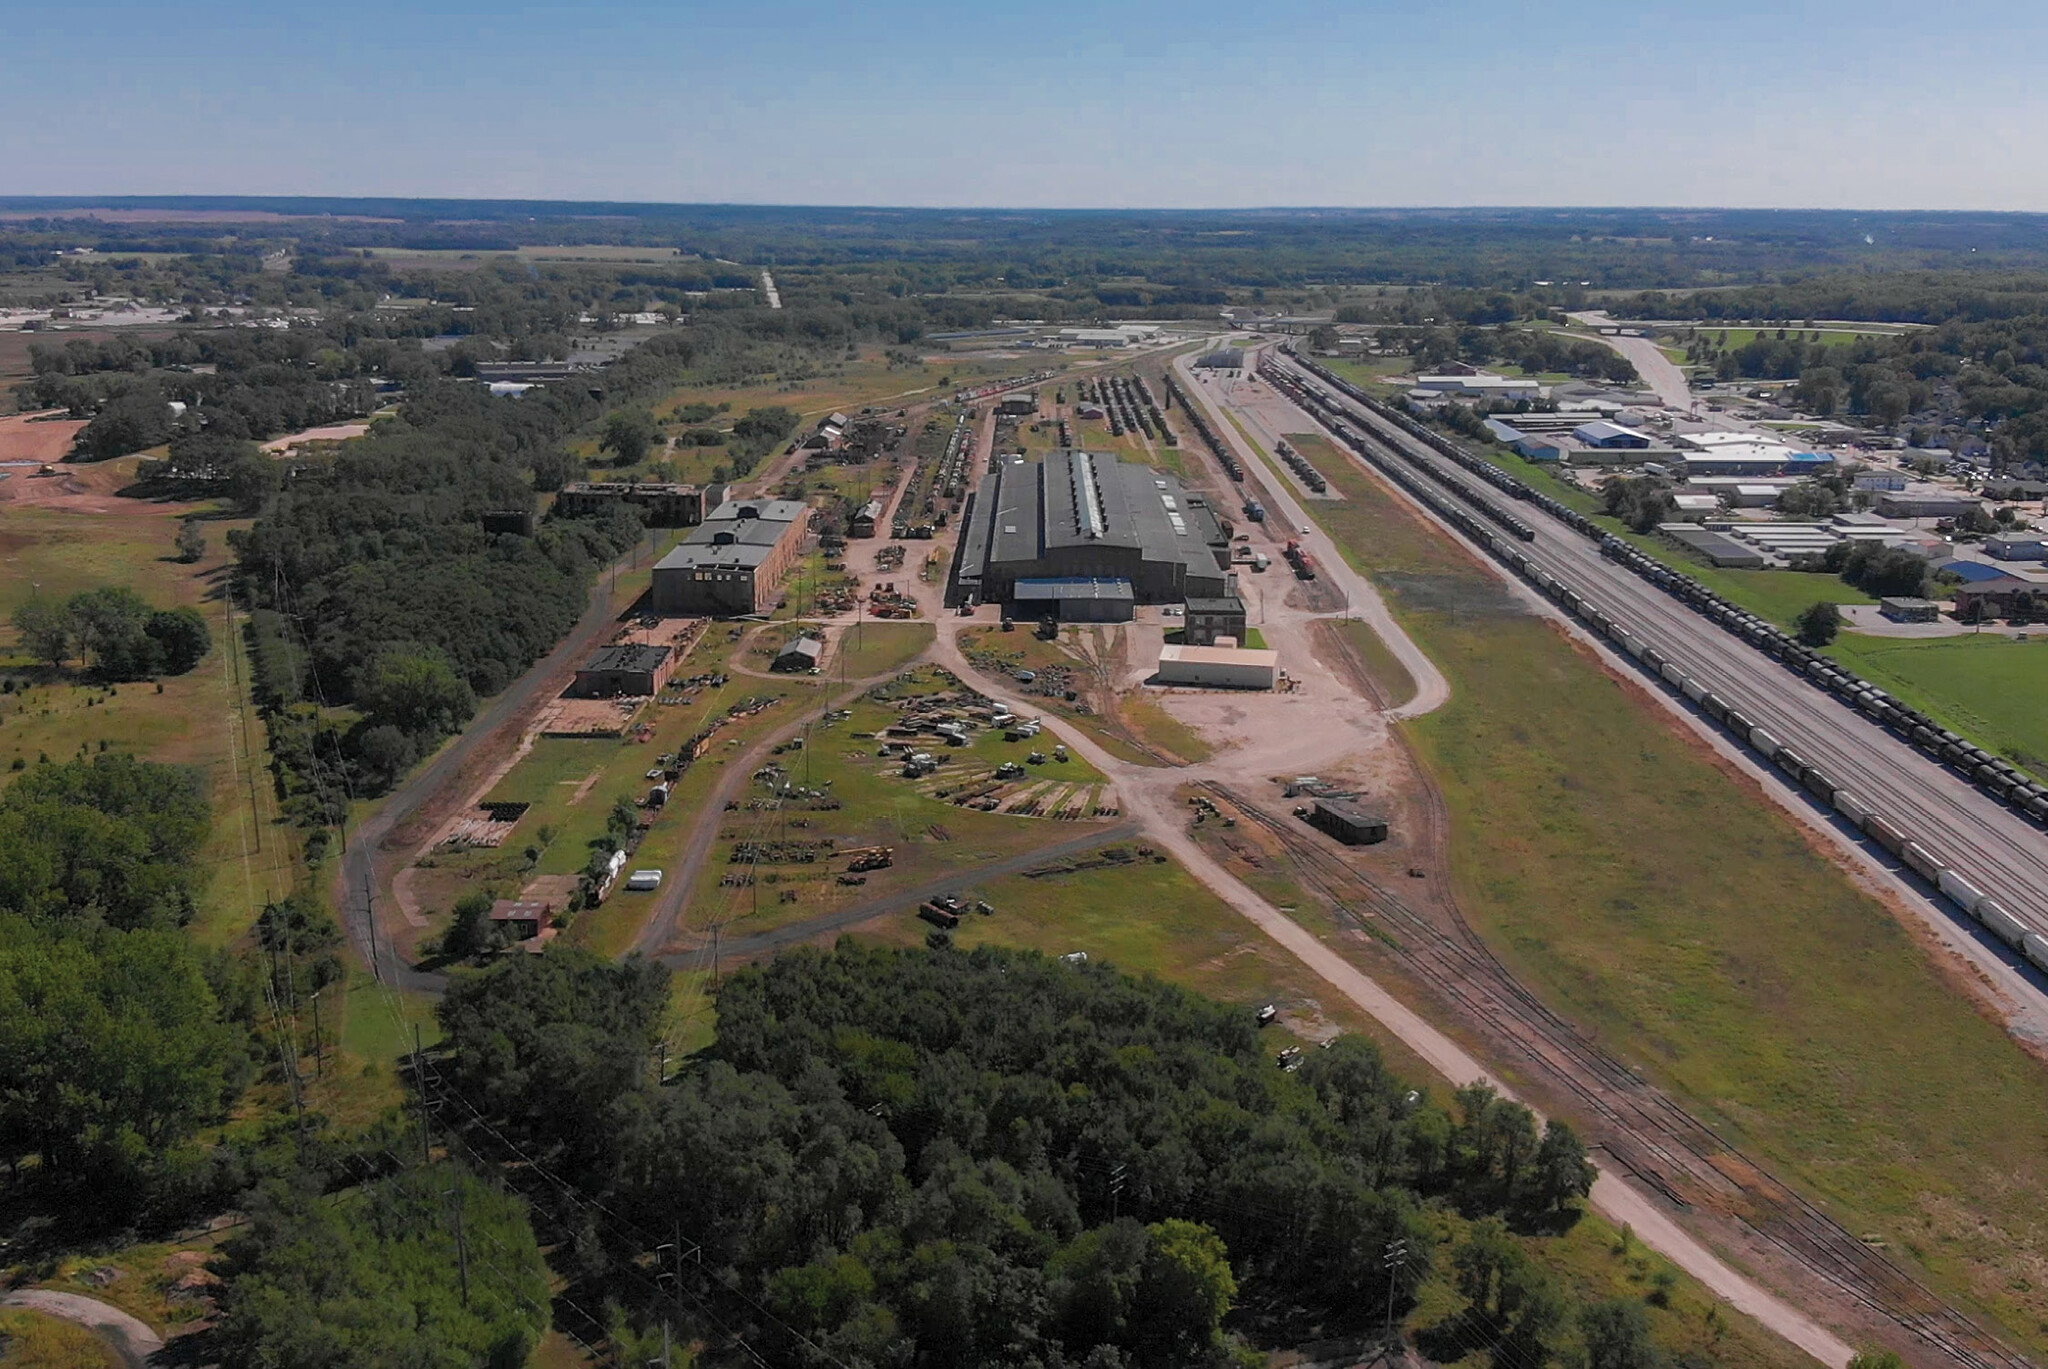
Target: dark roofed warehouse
(1088, 516)
(616, 670)
(1347, 822)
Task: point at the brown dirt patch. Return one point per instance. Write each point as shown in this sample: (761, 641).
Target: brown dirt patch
(37, 437)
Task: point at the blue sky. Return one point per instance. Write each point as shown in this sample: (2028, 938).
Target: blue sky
(1255, 102)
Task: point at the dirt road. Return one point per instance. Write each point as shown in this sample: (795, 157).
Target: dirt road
(1432, 690)
(369, 862)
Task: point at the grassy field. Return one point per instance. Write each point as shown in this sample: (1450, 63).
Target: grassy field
(872, 649)
(31, 1340)
(201, 719)
(1988, 687)
(1694, 931)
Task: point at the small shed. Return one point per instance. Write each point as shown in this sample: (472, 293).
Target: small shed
(522, 917)
(801, 653)
(1347, 822)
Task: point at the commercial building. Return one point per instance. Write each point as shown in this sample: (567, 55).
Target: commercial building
(1882, 481)
(1347, 822)
(1721, 551)
(1208, 619)
(1927, 505)
(2010, 490)
(865, 518)
(1755, 458)
(1088, 516)
(1902, 609)
(1217, 667)
(1603, 433)
(1018, 404)
(629, 670)
(1222, 359)
(1076, 599)
(732, 563)
(661, 505)
(2006, 597)
(1493, 387)
(2017, 546)
(1526, 443)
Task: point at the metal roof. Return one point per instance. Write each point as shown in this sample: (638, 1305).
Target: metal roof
(1073, 587)
(627, 658)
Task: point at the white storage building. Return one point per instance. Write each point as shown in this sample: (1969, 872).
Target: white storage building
(1218, 666)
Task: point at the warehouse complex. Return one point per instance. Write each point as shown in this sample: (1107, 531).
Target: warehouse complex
(1086, 516)
(733, 563)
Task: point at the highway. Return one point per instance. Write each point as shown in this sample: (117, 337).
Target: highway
(1997, 849)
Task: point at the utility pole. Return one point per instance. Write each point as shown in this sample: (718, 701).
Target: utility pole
(461, 1244)
(419, 1081)
(1393, 1262)
(319, 1053)
(1116, 1187)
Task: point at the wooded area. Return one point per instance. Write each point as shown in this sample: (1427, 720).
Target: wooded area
(936, 1158)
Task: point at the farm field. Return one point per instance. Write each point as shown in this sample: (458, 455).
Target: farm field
(1620, 873)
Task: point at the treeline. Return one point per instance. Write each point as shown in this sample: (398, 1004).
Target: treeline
(935, 1158)
(143, 1084)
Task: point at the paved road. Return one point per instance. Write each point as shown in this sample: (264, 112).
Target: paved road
(361, 874)
(1656, 369)
(1995, 848)
(130, 1338)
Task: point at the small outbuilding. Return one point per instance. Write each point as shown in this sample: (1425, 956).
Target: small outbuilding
(799, 654)
(1347, 822)
(1210, 619)
(523, 918)
(1217, 667)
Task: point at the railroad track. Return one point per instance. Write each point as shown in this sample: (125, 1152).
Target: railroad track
(1639, 1128)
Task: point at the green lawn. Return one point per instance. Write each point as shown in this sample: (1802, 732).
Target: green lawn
(1985, 686)
(1694, 930)
(871, 649)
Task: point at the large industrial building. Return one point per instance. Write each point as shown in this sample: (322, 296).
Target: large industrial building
(661, 504)
(1087, 516)
(733, 563)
